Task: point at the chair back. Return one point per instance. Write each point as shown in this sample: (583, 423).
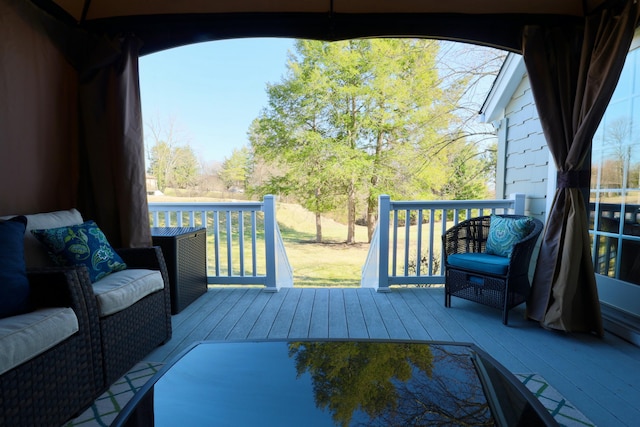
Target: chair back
(471, 236)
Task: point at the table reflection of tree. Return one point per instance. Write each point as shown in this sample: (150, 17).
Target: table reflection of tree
(392, 384)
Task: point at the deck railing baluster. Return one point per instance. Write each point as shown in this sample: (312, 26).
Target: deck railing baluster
(254, 232)
(216, 233)
(241, 240)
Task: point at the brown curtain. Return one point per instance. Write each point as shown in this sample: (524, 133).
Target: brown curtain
(112, 188)
(573, 73)
(38, 112)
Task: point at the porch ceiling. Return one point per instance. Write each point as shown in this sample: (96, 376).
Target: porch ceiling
(99, 9)
(167, 23)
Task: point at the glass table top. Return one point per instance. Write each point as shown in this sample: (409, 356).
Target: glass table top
(334, 383)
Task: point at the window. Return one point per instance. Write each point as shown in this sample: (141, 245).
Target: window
(615, 181)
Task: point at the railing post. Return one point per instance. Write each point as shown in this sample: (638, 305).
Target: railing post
(269, 206)
(279, 272)
(518, 203)
(384, 206)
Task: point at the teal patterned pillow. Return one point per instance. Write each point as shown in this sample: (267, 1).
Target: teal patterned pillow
(83, 244)
(506, 232)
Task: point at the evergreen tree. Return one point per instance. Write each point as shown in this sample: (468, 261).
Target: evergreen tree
(355, 119)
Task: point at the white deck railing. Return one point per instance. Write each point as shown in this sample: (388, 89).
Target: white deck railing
(244, 244)
(406, 244)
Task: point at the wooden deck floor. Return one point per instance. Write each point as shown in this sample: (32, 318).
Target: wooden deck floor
(601, 377)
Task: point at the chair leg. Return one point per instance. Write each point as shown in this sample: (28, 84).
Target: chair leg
(505, 316)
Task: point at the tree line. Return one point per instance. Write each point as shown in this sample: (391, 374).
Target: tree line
(355, 119)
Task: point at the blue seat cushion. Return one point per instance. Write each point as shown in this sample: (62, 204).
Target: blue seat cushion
(480, 262)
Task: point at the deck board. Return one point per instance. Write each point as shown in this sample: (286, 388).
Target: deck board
(244, 318)
(373, 319)
(392, 322)
(357, 328)
(284, 318)
(302, 317)
(411, 324)
(264, 322)
(599, 376)
(320, 314)
(337, 315)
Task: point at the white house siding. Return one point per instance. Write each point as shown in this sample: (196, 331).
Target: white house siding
(526, 167)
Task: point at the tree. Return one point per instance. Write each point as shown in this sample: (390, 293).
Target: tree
(235, 169)
(172, 161)
(470, 171)
(210, 177)
(294, 133)
(161, 163)
(617, 139)
(335, 115)
(352, 120)
(185, 174)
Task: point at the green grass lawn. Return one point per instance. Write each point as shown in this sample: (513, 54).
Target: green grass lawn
(331, 263)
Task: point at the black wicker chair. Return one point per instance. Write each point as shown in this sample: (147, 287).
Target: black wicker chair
(59, 383)
(129, 335)
(504, 285)
(119, 340)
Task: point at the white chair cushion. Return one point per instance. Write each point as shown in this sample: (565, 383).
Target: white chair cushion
(25, 336)
(122, 289)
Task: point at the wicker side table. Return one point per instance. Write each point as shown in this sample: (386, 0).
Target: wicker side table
(185, 252)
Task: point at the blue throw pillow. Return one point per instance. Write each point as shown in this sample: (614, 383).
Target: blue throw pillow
(14, 284)
(506, 232)
(83, 244)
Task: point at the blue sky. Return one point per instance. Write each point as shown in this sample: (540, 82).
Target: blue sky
(212, 91)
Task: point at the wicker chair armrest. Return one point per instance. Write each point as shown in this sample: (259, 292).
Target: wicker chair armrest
(532, 238)
(149, 257)
(523, 249)
(70, 287)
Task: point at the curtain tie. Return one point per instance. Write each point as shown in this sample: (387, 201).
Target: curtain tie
(574, 179)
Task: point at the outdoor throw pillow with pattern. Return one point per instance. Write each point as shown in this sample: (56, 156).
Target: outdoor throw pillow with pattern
(506, 232)
(14, 284)
(83, 244)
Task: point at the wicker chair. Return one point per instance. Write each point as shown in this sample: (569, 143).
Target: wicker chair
(498, 282)
(60, 382)
(130, 334)
(119, 338)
